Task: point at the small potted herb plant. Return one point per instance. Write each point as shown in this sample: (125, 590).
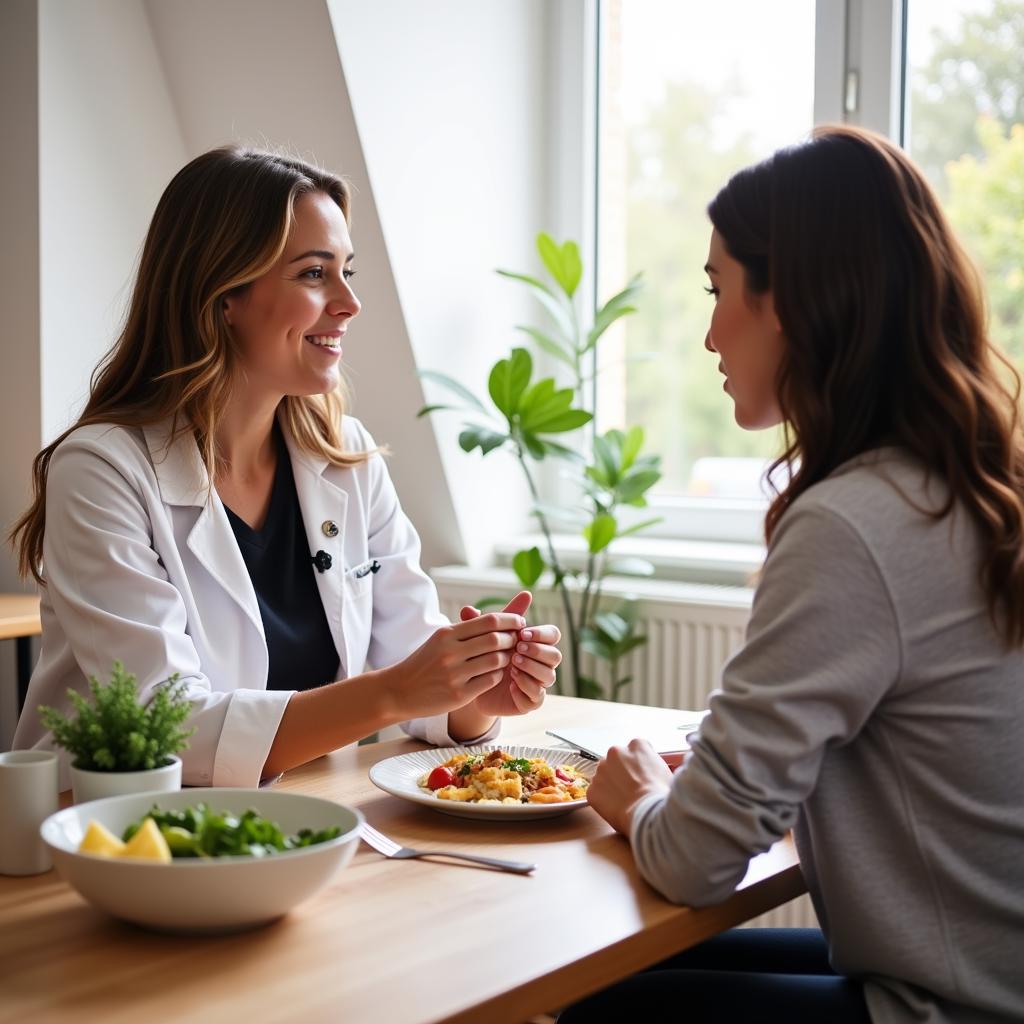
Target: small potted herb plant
(118, 745)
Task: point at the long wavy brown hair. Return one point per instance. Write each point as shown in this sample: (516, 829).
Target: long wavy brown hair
(222, 222)
(883, 316)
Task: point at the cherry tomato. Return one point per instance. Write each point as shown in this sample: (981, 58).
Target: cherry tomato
(440, 777)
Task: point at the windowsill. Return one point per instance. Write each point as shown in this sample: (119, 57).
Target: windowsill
(691, 561)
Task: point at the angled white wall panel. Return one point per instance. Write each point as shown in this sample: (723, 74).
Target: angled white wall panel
(266, 72)
(108, 144)
(450, 103)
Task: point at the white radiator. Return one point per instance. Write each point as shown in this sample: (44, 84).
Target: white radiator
(691, 629)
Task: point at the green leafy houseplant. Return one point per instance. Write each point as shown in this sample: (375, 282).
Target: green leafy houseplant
(528, 419)
(114, 732)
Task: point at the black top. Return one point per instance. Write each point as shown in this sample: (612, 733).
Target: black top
(302, 652)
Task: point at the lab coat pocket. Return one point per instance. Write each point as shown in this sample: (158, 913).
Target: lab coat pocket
(359, 580)
(357, 617)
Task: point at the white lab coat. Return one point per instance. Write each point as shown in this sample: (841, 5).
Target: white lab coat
(142, 566)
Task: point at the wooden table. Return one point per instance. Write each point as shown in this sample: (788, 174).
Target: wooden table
(395, 942)
(19, 620)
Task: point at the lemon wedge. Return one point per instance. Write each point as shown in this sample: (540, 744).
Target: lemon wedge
(100, 841)
(148, 844)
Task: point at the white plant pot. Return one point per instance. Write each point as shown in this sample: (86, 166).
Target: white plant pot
(87, 785)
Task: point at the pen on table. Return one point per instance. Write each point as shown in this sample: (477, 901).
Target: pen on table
(582, 751)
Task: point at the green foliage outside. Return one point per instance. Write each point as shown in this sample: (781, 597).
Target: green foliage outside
(967, 131)
(114, 732)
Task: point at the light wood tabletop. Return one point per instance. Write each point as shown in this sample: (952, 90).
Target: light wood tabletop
(19, 620)
(396, 942)
(19, 616)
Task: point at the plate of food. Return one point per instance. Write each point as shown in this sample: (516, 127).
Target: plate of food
(489, 781)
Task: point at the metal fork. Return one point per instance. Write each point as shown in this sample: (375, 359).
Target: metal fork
(390, 848)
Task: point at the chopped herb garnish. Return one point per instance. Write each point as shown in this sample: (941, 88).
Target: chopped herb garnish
(518, 764)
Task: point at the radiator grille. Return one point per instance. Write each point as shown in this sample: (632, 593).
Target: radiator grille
(691, 630)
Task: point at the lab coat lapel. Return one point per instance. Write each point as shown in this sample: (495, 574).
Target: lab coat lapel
(322, 501)
(183, 480)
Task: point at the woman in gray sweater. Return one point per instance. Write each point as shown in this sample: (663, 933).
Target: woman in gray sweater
(877, 707)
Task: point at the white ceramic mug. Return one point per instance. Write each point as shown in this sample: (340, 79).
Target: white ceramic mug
(28, 795)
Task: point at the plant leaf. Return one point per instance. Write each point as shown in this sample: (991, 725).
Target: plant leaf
(428, 409)
(562, 451)
(454, 386)
(613, 625)
(528, 566)
(555, 306)
(631, 445)
(617, 306)
(636, 483)
(481, 437)
(533, 444)
(509, 379)
(549, 345)
(564, 514)
(637, 527)
(600, 533)
(603, 454)
(562, 262)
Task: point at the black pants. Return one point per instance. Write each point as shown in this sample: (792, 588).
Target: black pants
(747, 976)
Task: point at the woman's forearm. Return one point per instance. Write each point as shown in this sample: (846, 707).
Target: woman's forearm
(315, 722)
(467, 723)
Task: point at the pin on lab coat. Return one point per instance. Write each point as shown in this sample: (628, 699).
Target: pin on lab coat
(142, 566)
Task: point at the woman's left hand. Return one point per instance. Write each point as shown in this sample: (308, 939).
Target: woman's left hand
(531, 670)
(623, 779)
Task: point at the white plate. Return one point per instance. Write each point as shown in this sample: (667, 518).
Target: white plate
(398, 775)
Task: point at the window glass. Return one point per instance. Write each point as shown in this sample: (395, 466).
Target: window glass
(686, 99)
(965, 126)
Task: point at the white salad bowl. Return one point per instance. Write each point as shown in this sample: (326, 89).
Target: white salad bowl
(214, 894)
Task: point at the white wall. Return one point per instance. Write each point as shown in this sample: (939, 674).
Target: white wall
(20, 397)
(108, 144)
(449, 99)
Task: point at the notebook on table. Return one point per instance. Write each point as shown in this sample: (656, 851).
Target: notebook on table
(594, 741)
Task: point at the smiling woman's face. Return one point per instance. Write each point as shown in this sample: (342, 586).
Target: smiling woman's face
(289, 323)
(746, 334)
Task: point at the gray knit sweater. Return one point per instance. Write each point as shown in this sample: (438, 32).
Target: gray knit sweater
(875, 711)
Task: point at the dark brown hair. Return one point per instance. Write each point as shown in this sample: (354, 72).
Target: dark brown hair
(222, 222)
(883, 317)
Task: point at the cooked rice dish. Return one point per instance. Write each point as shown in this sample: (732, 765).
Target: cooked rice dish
(499, 778)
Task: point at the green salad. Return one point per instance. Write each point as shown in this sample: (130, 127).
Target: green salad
(199, 832)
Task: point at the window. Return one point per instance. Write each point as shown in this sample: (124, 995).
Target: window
(683, 100)
(684, 103)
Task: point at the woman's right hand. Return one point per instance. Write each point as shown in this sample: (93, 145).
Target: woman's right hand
(456, 665)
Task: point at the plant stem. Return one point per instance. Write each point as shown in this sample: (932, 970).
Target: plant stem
(585, 600)
(574, 647)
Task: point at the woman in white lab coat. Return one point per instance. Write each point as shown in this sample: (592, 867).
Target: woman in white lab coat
(212, 514)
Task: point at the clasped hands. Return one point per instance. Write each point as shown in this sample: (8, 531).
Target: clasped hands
(482, 667)
(532, 659)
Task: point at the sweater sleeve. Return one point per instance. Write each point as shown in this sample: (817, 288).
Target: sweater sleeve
(823, 647)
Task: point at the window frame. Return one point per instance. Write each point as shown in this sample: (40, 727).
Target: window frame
(859, 78)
